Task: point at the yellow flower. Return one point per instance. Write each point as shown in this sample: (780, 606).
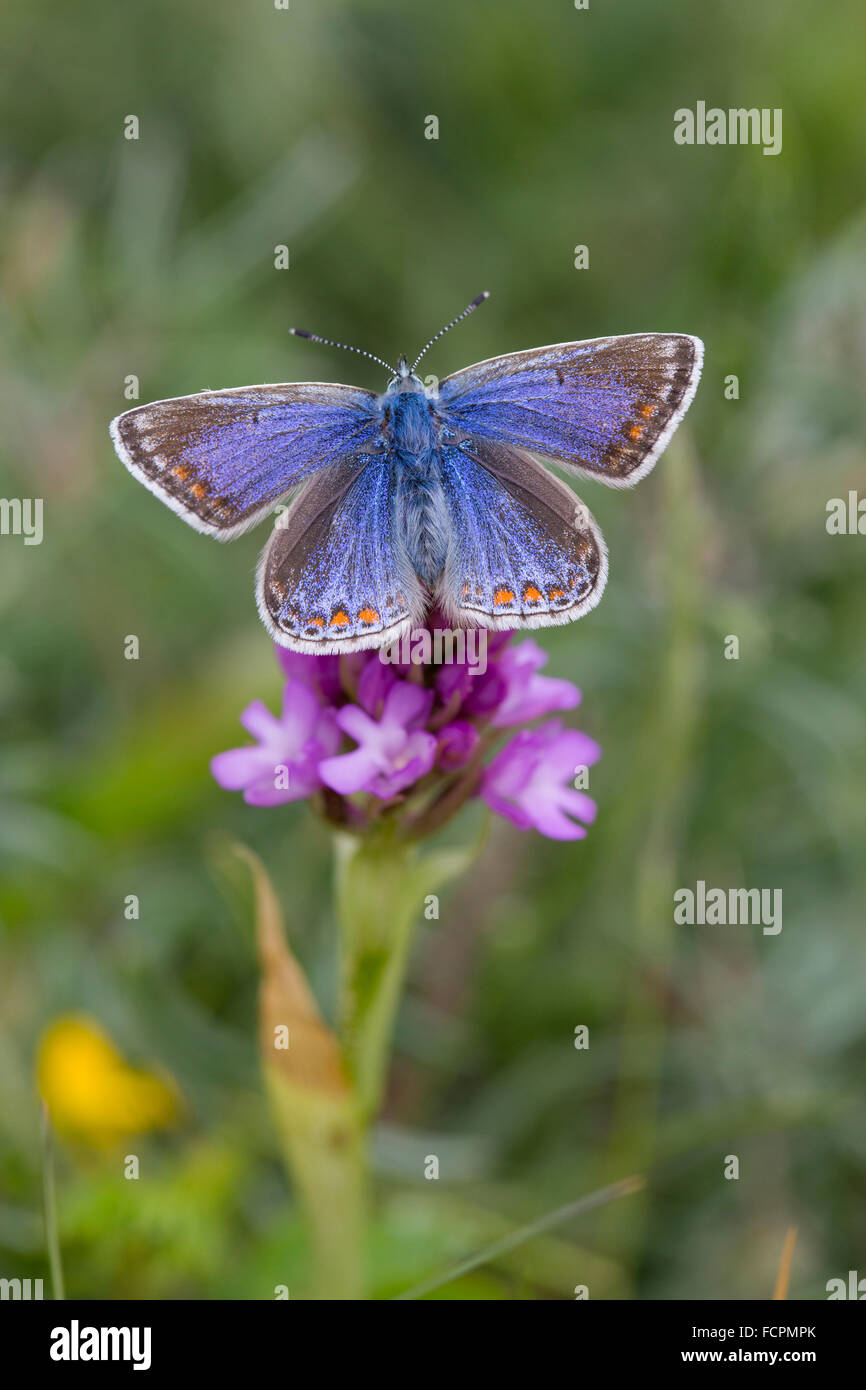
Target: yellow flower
(91, 1093)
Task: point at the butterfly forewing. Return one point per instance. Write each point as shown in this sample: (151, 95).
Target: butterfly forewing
(221, 459)
(335, 576)
(605, 407)
(524, 551)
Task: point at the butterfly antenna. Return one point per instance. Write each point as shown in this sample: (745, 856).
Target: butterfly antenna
(329, 342)
(479, 299)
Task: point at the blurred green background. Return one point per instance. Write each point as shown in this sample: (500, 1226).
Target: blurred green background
(260, 127)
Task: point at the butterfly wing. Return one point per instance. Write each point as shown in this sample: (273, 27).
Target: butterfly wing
(605, 408)
(336, 577)
(523, 549)
(221, 459)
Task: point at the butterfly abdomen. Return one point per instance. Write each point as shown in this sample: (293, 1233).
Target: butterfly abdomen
(421, 512)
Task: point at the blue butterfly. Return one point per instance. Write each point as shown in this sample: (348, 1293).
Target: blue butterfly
(420, 496)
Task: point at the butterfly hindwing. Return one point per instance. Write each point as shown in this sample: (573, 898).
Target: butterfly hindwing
(334, 575)
(523, 550)
(606, 407)
(221, 459)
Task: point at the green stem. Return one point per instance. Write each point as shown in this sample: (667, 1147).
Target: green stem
(382, 885)
(313, 1104)
(325, 1149)
(380, 891)
(326, 1090)
(49, 1205)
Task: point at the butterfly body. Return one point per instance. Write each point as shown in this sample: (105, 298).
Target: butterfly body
(420, 496)
(411, 448)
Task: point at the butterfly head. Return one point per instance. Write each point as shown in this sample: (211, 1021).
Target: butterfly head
(404, 379)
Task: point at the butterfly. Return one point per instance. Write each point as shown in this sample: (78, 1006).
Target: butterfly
(424, 495)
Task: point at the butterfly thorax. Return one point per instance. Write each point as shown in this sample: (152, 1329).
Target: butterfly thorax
(407, 422)
(410, 436)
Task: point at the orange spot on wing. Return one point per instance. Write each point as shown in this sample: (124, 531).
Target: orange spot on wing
(647, 410)
(635, 432)
(197, 490)
(556, 593)
(340, 619)
(315, 622)
(503, 596)
(181, 472)
(368, 615)
(531, 594)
